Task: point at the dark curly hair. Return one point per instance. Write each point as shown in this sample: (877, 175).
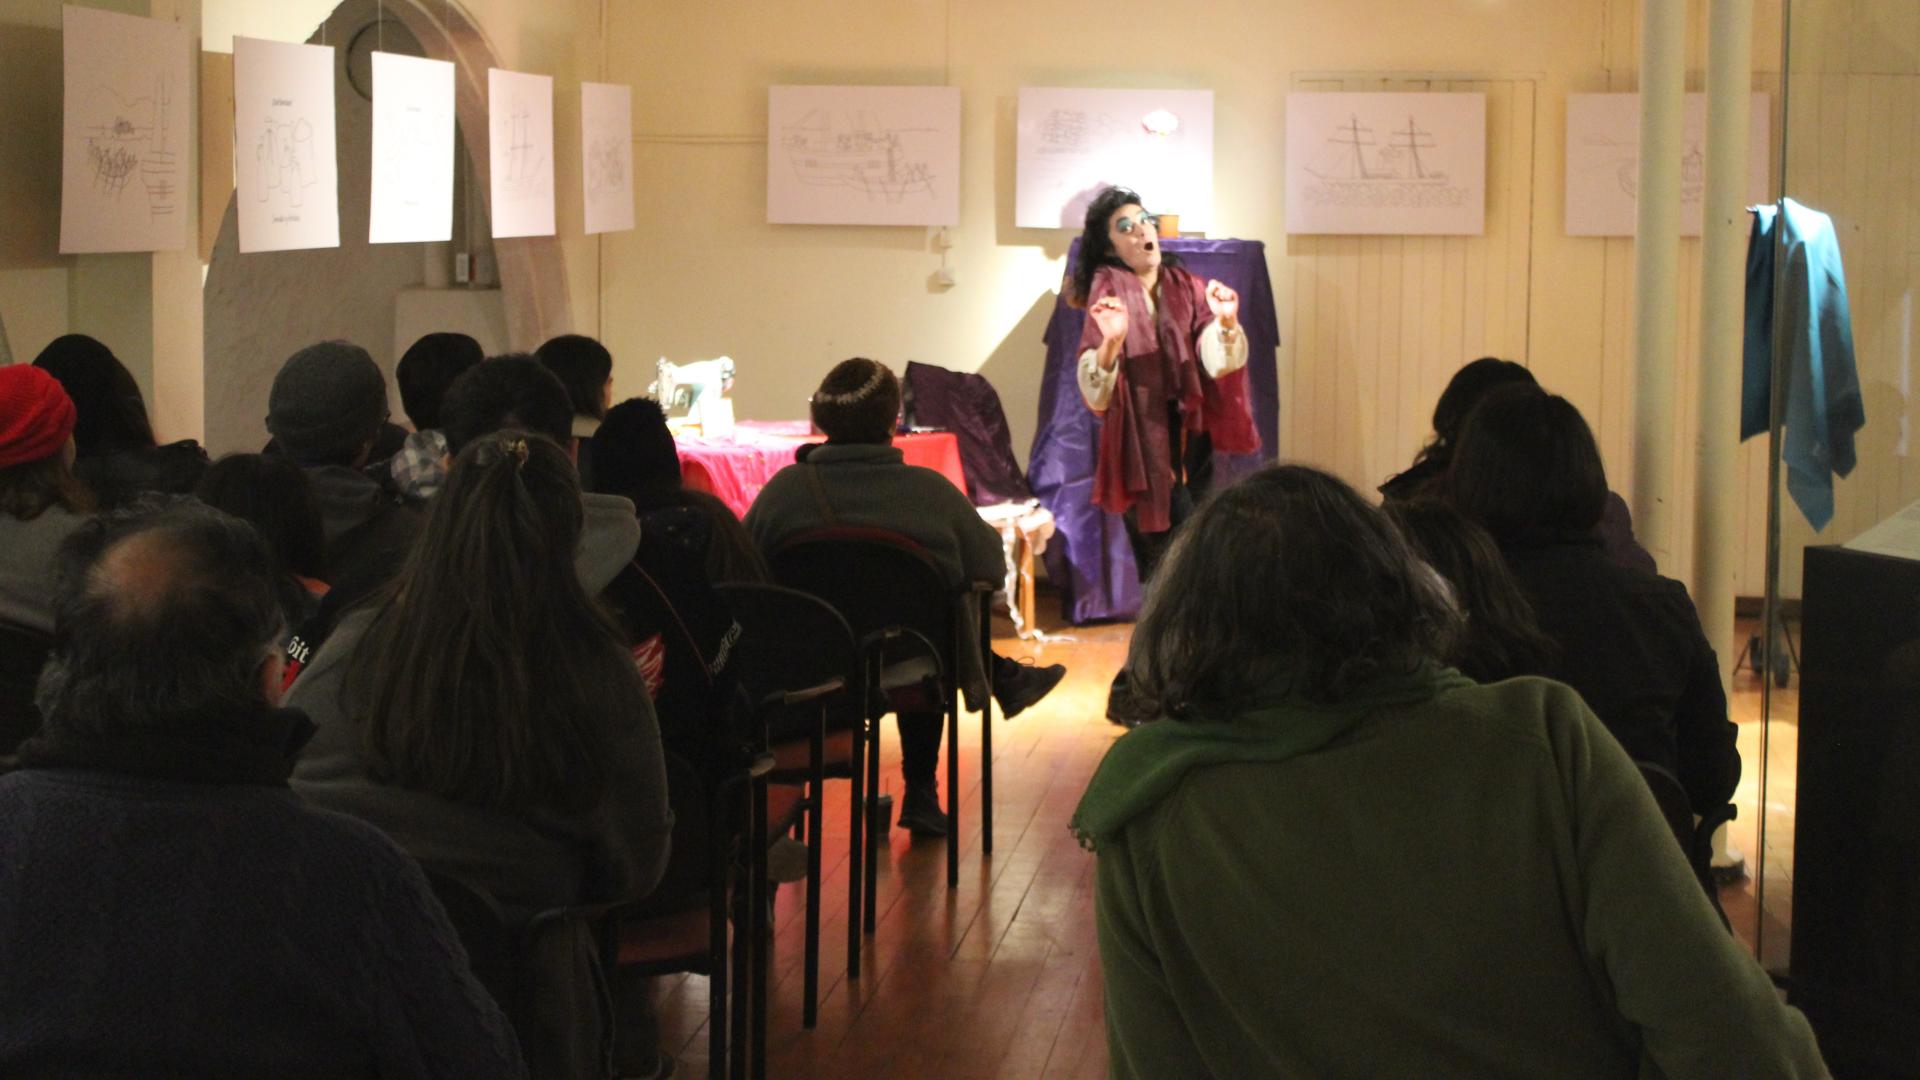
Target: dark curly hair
(1527, 468)
(1096, 247)
(1287, 572)
(1502, 637)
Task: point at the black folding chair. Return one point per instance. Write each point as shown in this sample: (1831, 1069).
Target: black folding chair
(520, 963)
(898, 600)
(790, 640)
(1695, 838)
(696, 939)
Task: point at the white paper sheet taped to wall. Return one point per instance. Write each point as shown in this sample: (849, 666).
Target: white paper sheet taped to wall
(606, 156)
(288, 183)
(1603, 161)
(124, 151)
(1073, 144)
(411, 196)
(863, 155)
(1412, 164)
(520, 149)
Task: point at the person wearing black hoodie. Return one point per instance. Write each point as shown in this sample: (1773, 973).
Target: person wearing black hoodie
(115, 453)
(327, 411)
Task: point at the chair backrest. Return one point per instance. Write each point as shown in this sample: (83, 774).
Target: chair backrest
(967, 405)
(790, 640)
(493, 946)
(23, 652)
(875, 578)
(1671, 796)
(546, 974)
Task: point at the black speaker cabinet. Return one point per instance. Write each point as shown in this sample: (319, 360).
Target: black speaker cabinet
(1855, 963)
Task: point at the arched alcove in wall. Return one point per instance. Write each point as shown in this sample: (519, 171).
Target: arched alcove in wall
(261, 307)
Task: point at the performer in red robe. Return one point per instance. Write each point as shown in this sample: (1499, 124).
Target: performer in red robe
(1163, 358)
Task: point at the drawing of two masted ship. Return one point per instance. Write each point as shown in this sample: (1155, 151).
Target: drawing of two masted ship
(865, 156)
(1359, 159)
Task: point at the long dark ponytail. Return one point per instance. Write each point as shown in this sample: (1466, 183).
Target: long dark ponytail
(489, 675)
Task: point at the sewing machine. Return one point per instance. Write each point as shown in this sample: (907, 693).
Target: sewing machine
(695, 395)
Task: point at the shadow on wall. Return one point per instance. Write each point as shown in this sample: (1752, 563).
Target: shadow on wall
(1017, 370)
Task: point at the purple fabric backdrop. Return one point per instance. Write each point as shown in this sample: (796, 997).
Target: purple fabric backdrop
(1089, 559)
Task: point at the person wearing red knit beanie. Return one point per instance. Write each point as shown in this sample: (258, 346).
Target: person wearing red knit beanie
(40, 500)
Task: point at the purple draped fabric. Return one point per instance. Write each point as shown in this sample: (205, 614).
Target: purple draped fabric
(968, 405)
(1089, 559)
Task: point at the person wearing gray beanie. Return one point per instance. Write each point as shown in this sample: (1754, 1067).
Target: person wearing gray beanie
(328, 405)
(327, 411)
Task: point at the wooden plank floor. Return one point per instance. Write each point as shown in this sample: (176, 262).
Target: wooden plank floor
(1001, 976)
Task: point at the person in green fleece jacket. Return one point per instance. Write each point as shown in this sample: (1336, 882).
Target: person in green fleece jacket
(1335, 857)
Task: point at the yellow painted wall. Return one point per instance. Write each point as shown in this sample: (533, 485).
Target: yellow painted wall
(33, 276)
(1372, 327)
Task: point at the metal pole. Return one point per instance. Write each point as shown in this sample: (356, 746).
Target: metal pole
(1656, 271)
(1723, 240)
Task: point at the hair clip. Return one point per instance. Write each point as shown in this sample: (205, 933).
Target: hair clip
(518, 448)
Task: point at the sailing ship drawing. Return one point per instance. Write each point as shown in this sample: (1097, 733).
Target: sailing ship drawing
(1355, 161)
(864, 156)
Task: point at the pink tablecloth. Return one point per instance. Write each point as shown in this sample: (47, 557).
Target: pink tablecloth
(735, 469)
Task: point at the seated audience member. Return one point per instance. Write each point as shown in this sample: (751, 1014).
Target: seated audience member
(488, 715)
(858, 477)
(635, 458)
(683, 636)
(681, 629)
(116, 456)
(1317, 767)
(423, 374)
(327, 408)
(272, 494)
(1526, 468)
(506, 392)
(1500, 638)
(169, 907)
(483, 711)
(1463, 392)
(585, 368)
(516, 391)
(41, 501)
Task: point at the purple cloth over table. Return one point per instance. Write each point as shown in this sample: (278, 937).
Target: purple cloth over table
(1089, 559)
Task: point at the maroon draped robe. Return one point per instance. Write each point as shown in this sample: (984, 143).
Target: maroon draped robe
(1160, 365)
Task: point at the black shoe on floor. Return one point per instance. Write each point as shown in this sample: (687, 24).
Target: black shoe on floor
(920, 812)
(1017, 686)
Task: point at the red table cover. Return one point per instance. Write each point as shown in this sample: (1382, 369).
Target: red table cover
(736, 468)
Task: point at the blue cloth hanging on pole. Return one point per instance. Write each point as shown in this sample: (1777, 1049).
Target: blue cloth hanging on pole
(1823, 406)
